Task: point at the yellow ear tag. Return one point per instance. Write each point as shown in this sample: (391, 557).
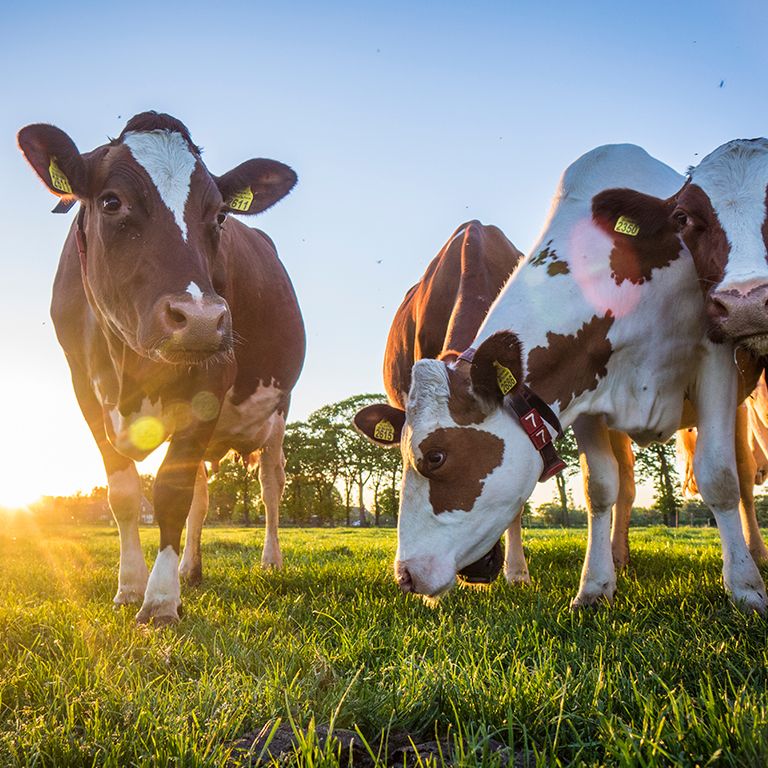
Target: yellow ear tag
(241, 201)
(384, 431)
(58, 179)
(504, 377)
(626, 226)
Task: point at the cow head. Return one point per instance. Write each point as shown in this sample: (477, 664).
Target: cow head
(149, 230)
(720, 214)
(468, 467)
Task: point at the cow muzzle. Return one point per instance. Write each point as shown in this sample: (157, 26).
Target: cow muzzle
(190, 329)
(740, 314)
(486, 569)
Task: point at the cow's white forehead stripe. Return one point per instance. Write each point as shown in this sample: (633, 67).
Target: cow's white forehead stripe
(193, 289)
(166, 157)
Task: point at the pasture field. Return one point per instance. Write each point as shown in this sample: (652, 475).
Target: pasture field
(671, 675)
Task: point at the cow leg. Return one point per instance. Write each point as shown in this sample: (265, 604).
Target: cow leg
(272, 479)
(191, 567)
(515, 567)
(124, 496)
(173, 499)
(747, 468)
(714, 467)
(601, 485)
(622, 511)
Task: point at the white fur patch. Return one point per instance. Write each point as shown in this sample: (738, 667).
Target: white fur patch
(735, 177)
(193, 289)
(163, 587)
(166, 157)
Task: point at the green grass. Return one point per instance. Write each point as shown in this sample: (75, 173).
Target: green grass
(671, 675)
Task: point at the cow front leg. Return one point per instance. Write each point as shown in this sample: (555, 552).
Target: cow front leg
(515, 567)
(747, 469)
(191, 567)
(622, 511)
(125, 502)
(272, 479)
(601, 485)
(173, 498)
(714, 467)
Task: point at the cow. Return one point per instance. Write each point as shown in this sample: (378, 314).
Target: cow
(439, 317)
(751, 461)
(601, 327)
(178, 323)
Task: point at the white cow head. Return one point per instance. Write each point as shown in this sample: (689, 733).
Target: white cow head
(468, 467)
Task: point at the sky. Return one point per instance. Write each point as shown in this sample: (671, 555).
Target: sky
(402, 120)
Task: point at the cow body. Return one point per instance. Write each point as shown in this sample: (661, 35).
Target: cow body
(177, 325)
(605, 322)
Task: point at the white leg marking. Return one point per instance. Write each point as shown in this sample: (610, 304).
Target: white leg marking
(191, 568)
(601, 484)
(515, 567)
(272, 478)
(163, 596)
(125, 503)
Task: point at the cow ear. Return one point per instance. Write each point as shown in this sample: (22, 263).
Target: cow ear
(55, 159)
(632, 213)
(381, 424)
(497, 366)
(255, 185)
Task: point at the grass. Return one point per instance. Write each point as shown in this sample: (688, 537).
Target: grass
(671, 675)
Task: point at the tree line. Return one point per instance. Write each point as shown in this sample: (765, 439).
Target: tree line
(334, 476)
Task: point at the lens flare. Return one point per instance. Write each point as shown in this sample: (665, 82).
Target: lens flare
(205, 405)
(146, 433)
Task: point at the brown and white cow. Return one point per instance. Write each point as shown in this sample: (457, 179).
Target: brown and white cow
(178, 323)
(439, 318)
(601, 327)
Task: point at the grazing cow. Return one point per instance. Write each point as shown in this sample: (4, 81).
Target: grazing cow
(602, 326)
(751, 461)
(438, 319)
(178, 323)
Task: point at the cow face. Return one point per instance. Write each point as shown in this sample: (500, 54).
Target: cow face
(149, 231)
(720, 215)
(468, 467)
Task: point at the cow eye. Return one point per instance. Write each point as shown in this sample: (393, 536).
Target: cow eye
(681, 218)
(110, 203)
(434, 459)
(221, 218)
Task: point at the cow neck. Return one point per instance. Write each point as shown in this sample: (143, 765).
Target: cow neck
(532, 413)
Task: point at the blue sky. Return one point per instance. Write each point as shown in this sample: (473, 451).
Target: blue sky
(402, 121)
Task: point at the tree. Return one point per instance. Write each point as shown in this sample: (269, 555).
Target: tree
(657, 463)
(569, 453)
(232, 490)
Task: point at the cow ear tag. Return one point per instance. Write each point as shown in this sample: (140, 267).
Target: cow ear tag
(241, 201)
(504, 378)
(626, 226)
(58, 178)
(384, 431)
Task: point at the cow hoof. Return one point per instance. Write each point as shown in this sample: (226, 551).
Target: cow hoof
(159, 615)
(620, 563)
(517, 578)
(593, 598)
(192, 576)
(272, 562)
(127, 597)
(750, 601)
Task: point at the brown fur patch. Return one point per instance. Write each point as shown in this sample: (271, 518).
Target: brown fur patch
(655, 246)
(571, 364)
(548, 256)
(502, 347)
(462, 404)
(471, 455)
(704, 236)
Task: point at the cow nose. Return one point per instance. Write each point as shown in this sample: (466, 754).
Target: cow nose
(739, 311)
(195, 325)
(403, 578)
